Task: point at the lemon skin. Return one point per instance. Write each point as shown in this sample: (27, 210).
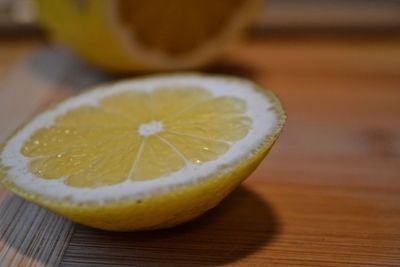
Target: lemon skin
(169, 208)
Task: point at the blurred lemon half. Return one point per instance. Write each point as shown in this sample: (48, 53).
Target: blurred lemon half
(143, 154)
(146, 35)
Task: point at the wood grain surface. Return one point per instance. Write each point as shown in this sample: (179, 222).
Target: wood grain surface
(327, 195)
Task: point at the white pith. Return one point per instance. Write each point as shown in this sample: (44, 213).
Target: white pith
(259, 109)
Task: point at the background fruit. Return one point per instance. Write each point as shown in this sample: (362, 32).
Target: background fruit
(146, 35)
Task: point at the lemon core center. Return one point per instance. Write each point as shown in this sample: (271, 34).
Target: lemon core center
(150, 128)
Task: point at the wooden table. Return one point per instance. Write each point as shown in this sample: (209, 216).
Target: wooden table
(327, 195)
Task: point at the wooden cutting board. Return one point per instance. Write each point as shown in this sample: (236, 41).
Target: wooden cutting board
(327, 195)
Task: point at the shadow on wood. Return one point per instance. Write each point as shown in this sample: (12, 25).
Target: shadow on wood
(238, 227)
(60, 68)
(231, 67)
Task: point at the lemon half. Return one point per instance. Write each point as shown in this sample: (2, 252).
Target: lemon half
(143, 154)
(147, 35)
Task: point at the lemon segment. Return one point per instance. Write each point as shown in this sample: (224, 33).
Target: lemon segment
(194, 148)
(155, 140)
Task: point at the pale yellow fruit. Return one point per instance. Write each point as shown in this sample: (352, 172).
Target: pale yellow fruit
(143, 154)
(147, 35)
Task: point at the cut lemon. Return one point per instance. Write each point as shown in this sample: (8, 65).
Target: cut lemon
(147, 35)
(143, 154)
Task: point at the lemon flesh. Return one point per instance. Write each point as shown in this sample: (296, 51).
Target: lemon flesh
(136, 135)
(144, 154)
